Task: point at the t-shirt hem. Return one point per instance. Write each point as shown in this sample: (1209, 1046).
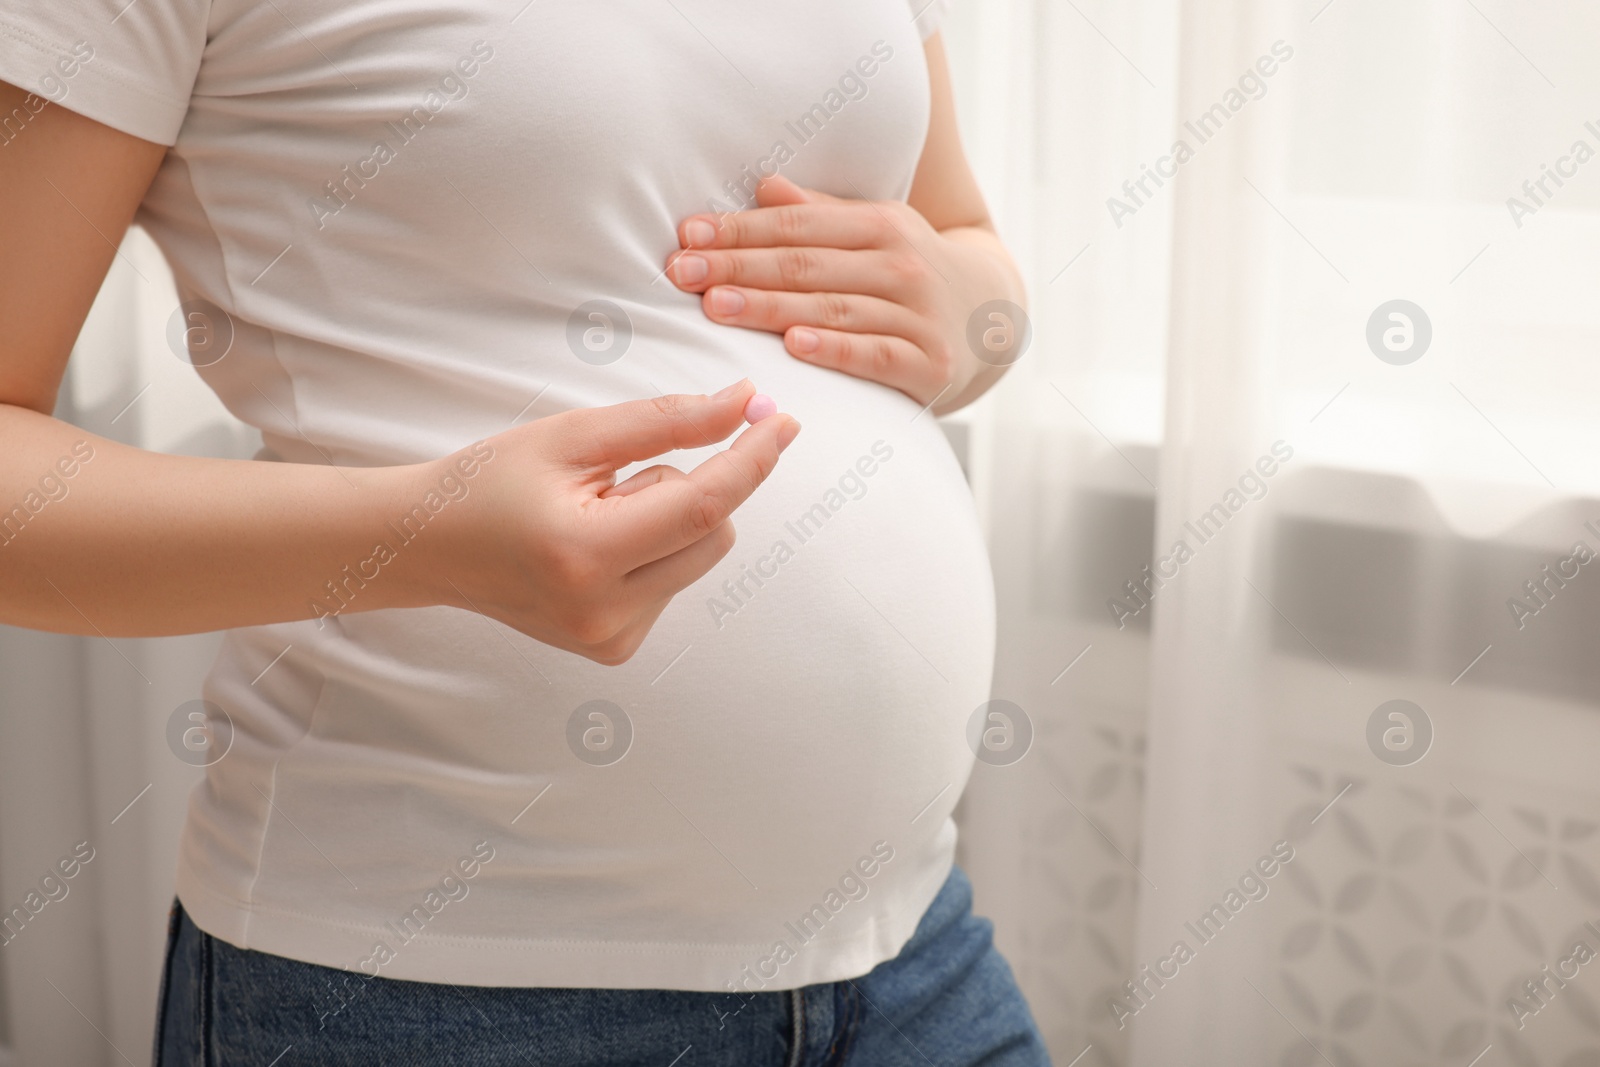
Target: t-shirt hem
(551, 963)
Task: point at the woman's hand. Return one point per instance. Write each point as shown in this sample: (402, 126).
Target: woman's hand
(867, 288)
(545, 540)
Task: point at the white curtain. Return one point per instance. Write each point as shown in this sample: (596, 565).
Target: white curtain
(1180, 731)
(1179, 338)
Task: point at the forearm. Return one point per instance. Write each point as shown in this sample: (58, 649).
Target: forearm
(98, 537)
(991, 275)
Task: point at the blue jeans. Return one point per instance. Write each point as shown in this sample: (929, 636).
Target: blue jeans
(948, 1000)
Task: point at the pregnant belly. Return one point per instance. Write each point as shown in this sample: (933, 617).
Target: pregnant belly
(804, 699)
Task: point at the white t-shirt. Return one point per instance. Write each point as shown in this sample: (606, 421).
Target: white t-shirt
(403, 207)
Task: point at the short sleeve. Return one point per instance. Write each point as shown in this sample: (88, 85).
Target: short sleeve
(129, 65)
(929, 15)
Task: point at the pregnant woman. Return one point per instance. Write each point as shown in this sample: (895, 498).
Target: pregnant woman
(527, 759)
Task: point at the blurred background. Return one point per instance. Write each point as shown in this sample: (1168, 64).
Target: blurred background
(1313, 289)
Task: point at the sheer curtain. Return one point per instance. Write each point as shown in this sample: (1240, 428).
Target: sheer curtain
(1362, 500)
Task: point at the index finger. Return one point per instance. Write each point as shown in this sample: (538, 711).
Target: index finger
(642, 429)
(845, 224)
(660, 519)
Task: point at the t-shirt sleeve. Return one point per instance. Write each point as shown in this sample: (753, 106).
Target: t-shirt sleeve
(129, 65)
(929, 15)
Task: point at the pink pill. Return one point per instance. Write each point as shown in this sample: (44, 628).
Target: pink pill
(759, 407)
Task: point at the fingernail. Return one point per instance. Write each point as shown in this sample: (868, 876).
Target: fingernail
(727, 301)
(790, 431)
(761, 406)
(805, 340)
(699, 233)
(691, 269)
(724, 394)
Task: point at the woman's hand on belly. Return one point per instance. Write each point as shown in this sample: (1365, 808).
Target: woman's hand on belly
(535, 531)
(870, 289)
